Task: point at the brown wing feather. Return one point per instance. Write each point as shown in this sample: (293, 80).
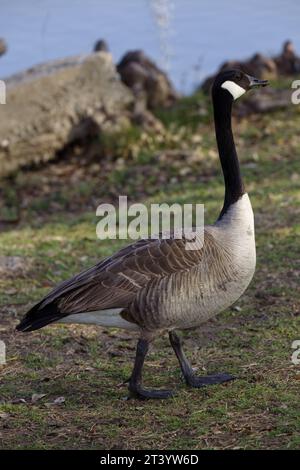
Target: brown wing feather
(115, 281)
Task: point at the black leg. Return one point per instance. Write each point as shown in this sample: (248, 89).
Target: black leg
(187, 370)
(135, 382)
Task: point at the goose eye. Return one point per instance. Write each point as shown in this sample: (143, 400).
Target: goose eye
(238, 76)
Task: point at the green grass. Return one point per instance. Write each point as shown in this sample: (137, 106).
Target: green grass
(87, 366)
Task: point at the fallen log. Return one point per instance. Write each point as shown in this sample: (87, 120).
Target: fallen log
(53, 105)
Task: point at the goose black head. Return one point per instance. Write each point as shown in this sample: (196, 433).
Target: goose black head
(236, 83)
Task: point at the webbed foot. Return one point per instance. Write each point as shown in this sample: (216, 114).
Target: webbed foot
(198, 382)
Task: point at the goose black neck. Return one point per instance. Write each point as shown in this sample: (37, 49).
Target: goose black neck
(234, 188)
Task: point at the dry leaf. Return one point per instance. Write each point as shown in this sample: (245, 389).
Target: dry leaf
(37, 396)
(15, 401)
(59, 400)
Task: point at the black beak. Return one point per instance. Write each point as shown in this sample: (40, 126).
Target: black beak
(256, 82)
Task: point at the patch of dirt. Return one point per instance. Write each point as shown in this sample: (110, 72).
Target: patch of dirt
(14, 266)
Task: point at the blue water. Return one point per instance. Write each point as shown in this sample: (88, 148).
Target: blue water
(199, 35)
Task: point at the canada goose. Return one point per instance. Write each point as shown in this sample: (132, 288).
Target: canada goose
(288, 63)
(156, 285)
(101, 46)
(141, 74)
(3, 46)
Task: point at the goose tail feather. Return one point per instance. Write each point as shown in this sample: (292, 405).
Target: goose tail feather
(39, 316)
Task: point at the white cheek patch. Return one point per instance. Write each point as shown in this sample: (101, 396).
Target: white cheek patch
(235, 90)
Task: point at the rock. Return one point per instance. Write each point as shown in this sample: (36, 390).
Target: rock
(3, 46)
(263, 101)
(258, 66)
(145, 79)
(101, 45)
(53, 105)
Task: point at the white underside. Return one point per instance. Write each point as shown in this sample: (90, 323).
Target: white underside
(110, 318)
